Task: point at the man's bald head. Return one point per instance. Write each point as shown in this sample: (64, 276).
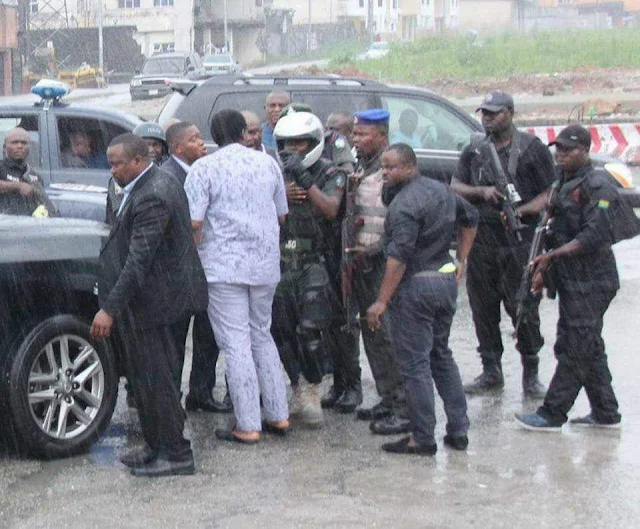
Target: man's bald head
(16, 145)
(274, 104)
(253, 132)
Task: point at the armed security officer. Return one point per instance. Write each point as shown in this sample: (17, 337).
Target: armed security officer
(587, 218)
(21, 190)
(498, 258)
(370, 138)
(420, 277)
(345, 395)
(302, 304)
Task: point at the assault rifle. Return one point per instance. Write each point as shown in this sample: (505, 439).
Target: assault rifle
(527, 300)
(349, 228)
(512, 221)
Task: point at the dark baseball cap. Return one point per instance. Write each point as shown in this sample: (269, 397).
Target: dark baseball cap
(496, 101)
(572, 136)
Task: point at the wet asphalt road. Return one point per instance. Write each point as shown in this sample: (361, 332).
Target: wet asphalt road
(338, 477)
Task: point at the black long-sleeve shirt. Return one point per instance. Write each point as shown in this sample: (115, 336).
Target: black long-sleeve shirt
(421, 224)
(586, 209)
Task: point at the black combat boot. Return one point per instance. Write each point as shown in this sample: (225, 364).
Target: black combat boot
(531, 385)
(331, 397)
(350, 399)
(490, 379)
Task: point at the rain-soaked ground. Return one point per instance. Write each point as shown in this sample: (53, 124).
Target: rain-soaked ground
(338, 477)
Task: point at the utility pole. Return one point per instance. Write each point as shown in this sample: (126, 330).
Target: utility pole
(100, 39)
(309, 29)
(226, 35)
(370, 18)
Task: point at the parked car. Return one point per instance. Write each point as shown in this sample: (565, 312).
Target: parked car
(221, 63)
(76, 191)
(442, 128)
(150, 81)
(58, 385)
(375, 51)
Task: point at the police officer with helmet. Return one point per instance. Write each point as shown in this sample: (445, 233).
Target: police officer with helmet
(156, 139)
(303, 301)
(345, 395)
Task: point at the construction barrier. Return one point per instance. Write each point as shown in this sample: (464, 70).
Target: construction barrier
(621, 140)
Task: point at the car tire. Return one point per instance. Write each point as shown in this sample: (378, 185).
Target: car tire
(60, 402)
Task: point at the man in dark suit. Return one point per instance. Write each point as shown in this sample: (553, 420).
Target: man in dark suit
(186, 146)
(151, 278)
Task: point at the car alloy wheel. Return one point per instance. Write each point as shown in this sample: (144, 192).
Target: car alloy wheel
(66, 386)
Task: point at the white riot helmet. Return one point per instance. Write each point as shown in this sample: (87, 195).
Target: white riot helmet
(301, 125)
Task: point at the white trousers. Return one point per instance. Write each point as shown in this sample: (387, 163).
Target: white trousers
(241, 320)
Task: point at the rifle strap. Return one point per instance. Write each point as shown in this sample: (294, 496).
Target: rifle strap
(519, 143)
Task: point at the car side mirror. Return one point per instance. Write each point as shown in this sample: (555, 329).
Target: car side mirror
(190, 68)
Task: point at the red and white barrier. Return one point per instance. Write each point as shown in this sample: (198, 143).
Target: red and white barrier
(620, 140)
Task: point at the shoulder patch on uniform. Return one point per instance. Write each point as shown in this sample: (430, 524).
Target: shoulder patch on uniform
(603, 204)
(340, 142)
(341, 180)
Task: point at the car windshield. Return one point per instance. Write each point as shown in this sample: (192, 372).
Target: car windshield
(218, 59)
(164, 65)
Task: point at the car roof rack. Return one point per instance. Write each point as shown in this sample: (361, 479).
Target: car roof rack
(290, 80)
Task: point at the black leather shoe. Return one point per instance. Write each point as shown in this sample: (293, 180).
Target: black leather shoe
(457, 442)
(390, 426)
(163, 467)
(379, 411)
(348, 401)
(139, 457)
(208, 404)
(402, 447)
(331, 397)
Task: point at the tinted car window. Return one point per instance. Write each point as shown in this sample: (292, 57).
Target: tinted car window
(29, 122)
(324, 103)
(253, 101)
(425, 124)
(163, 65)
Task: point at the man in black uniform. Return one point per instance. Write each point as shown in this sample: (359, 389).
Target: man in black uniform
(587, 218)
(420, 277)
(303, 300)
(21, 190)
(498, 257)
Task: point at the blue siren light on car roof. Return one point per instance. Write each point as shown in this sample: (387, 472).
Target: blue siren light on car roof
(50, 89)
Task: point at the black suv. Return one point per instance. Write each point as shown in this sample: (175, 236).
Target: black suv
(442, 129)
(59, 385)
(150, 82)
(79, 192)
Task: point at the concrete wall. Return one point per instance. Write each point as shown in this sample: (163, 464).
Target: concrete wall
(156, 25)
(8, 46)
(493, 15)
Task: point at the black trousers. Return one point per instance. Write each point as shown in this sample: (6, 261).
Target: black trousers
(202, 379)
(301, 317)
(367, 279)
(151, 360)
(582, 361)
(343, 342)
(493, 277)
(421, 313)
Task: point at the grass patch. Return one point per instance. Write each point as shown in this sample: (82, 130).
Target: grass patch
(510, 54)
(340, 53)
